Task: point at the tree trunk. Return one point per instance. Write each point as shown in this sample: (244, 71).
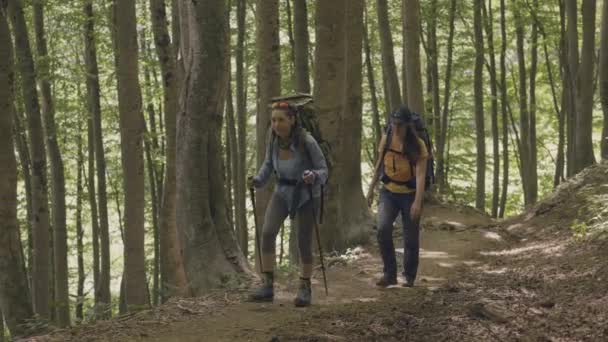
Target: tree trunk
(415, 97)
(570, 82)
(40, 275)
(377, 126)
(210, 250)
(101, 230)
(585, 78)
(300, 23)
(441, 142)
(479, 114)
(99, 305)
(338, 64)
(532, 151)
(241, 117)
(173, 276)
(24, 160)
(389, 69)
(404, 28)
(231, 143)
(524, 120)
(604, 78)
(131, 133)
(269, 83)
(15, 304)
(154, 199)
(79, 230)
(60, 248)
(503, 110)
(489, 22)
(561, 112)
(433, 64)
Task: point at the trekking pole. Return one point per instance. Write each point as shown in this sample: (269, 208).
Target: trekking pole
(314, 213)
(257, 231)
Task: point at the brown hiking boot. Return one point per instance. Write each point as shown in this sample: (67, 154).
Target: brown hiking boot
(304, 297)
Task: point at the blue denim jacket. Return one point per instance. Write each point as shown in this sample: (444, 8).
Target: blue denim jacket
(310, 158)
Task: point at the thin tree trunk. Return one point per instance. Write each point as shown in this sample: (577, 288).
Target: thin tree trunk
(604, 78)
(232, 155)
(131, 124)
(241, 117)
(372, 86)
(101, 230)
(269, 82)
(503, 110)
(173, 276)
(434, 71)
(441, 142)
(415, 97)
(15, 303)
(524, 120)
(403, 53)
(292, 56)
(79, 229)
(571, 15)
(154, 199)
(300, 22)
(99, 305)
(60, 248)
(25, 162)
(489, 22)
(584, 155)
(388, 59)
(532, 151)
(479, 112)
(41, 272)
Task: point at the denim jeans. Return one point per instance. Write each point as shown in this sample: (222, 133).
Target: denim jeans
(391, 204)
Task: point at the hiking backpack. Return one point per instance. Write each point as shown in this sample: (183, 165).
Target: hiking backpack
(423, 134)
(306, 114)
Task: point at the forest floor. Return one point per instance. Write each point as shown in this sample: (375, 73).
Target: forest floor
(540, 276)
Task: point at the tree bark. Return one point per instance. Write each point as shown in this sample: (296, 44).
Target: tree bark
(570, 82)
(489, 22)
(337, 96)
(101, 230)
(241, 118)
(210, 250)
(584, 155)
(79, 230)
(415, 96)
(441, 142)
(479, 112)
(524, 120)
(173, 276)
(269, 83)
(41, 272)
(60, 248)
(389, 69)
(503, 110)
(15, 304)
(369, 68)
(604, 78)
(131, 133)
(533, 158)
(300, 23)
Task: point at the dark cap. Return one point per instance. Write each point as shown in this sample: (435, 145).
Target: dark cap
(402, 114)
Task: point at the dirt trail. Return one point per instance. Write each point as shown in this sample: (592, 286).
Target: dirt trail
(445, 249)
(541, 276)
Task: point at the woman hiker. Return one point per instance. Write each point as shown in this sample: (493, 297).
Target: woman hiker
(401, 166)
(298, 162)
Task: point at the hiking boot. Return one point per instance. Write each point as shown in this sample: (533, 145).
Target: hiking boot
(304, 296)
(386, 281)
(264, 293)
(409, 282)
